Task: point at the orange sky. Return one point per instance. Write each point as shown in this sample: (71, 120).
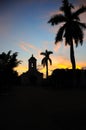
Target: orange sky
(24, 29)
(62, 64)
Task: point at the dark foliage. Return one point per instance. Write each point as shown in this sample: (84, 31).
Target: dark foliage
(67, 78)
(8, 76)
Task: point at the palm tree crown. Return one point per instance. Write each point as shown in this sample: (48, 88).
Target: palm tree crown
(46, 59)
(72, 29)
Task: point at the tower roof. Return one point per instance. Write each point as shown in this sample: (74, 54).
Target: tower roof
(32, 58)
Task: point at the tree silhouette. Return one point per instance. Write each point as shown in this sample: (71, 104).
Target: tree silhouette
(72, 29)
(46, 59)
(8, 62)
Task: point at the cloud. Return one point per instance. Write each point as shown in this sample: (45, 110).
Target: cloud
(23, 46)
(55, 12)
(56, 47)
(59, 58)
(28, 47)
(31, 49)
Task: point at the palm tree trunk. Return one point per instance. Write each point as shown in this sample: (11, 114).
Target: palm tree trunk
(72, 57)
(47, 70)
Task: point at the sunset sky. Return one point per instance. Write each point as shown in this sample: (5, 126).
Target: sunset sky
(24, 29)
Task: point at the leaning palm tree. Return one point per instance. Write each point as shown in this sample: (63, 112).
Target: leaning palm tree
(46, 59)
(72, 28)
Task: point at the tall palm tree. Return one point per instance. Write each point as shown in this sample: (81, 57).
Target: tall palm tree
(46, 59)
(72, 29)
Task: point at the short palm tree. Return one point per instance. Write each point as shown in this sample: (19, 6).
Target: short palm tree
(72, 29)
(46, 59)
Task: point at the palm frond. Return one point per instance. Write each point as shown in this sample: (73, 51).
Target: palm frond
(13, 60)
(43, 62)
(68, 35)
(3, 56)
(77, 33)
(82, 25)
(79, 11)
(50, 61)
(43, 53)
(59, 34)
(9, 60)
(9, 52)
(50, 52)
(56, 19)
(74, 31)
(66, 5)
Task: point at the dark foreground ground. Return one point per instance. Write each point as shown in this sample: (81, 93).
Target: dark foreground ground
(26, 108)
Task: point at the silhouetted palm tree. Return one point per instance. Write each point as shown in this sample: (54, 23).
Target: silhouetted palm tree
(46, 59)
(72, 29)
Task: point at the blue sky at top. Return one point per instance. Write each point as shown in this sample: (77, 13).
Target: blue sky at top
(24, 28)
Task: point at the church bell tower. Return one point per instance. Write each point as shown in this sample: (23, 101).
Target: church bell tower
(32, 63)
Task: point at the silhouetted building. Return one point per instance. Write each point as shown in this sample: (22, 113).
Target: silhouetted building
(32, 76)
(68, 78)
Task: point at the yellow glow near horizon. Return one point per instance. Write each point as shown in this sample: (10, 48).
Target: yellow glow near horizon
(22, 69)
